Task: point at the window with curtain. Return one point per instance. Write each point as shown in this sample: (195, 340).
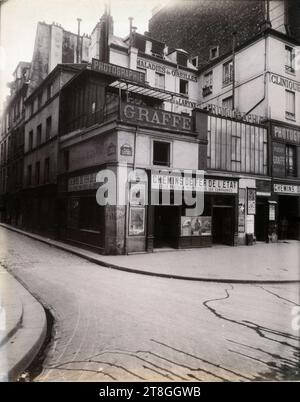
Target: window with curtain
(290, 105)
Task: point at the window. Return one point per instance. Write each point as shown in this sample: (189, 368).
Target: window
(66, 160)
(39, 135)
(91, 216)
(290, 153)
(290, 105)
(184, 87)
(49, 91)
(227, 103)
(143, 70)
(31, 108)
(207, 83)
(160, 80)
(214, 52)
(48, 127)
(227, 72)
(47, 170)
(37, 172)
(30, 140)
(289, 59)
(195, 61)
(29, 174)
(40, 99)
(161, 153)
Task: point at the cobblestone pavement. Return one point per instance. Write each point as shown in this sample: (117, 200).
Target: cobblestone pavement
(112, 325)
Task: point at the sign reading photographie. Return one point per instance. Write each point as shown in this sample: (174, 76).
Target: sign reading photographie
(118, 71)
(165, 180)
(286, 134)
(155, 117)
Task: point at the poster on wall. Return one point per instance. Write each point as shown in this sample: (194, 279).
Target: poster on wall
(198, 226)
(271, 212)
(251, 201)
(201, 226)
(242, 202)
(186, 223)
(136, 221)
(137, 194)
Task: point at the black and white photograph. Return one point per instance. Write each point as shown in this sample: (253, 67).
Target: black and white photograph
(149, 194)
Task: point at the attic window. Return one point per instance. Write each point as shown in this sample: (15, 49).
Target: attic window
(182, 59)
(214, 52)
(195, 61)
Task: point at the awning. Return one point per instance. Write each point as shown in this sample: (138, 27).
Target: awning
(145, 90)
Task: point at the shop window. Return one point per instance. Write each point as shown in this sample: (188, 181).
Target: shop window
(91, 215)
(48, 127)
(290, 105)
(160, 80)
(161, 153)
(184, 87)
(38, 135)
(228, 73)
(290, 160)
(37, 173)
(289, 59)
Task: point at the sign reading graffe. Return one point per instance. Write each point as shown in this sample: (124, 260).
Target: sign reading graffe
(287, 188)
(118, 71)
(155, 117)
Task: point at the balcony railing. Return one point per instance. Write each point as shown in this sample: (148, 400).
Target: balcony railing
(290, 69)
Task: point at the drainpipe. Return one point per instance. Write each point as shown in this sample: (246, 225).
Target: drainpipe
(233, 69)
(78, 42)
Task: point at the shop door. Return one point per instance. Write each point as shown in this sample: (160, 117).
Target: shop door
(223, 225)
(261, 221)
(166, 226)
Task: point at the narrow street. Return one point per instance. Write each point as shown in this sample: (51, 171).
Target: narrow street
(112, 325)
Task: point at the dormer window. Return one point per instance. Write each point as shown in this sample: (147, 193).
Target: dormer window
(195, 61)
(182, 59)
(213, 52)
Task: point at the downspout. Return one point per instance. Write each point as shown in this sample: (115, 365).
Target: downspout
(265, 80)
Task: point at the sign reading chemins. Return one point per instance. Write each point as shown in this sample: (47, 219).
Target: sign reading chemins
(155, 117)
(287, 189)
(175, 181)
(118, 71)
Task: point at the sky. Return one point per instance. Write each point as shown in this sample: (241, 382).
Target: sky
(19, 18)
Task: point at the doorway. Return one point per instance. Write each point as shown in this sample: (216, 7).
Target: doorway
(166, 226)
(223, 225)
(261, 220)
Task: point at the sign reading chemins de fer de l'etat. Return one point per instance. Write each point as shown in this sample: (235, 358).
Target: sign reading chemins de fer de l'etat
(118, 71)
(155, 117)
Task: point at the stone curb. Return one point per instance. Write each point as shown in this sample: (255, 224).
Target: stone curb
(24, 343)
(76, 251)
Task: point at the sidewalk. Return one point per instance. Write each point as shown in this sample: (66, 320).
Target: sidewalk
(22, 327)
(260, 263)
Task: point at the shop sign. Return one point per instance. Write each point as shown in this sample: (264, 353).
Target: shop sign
(263, 188)
(118, 71)
(163, 69)
(136, 221)
(155, 117)
(285, 82)
(232, 114)
(287, 189)
(278, 159)
(176, 181)
(286, 134)
(251, 201)
(126, 150)
(83, 182)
